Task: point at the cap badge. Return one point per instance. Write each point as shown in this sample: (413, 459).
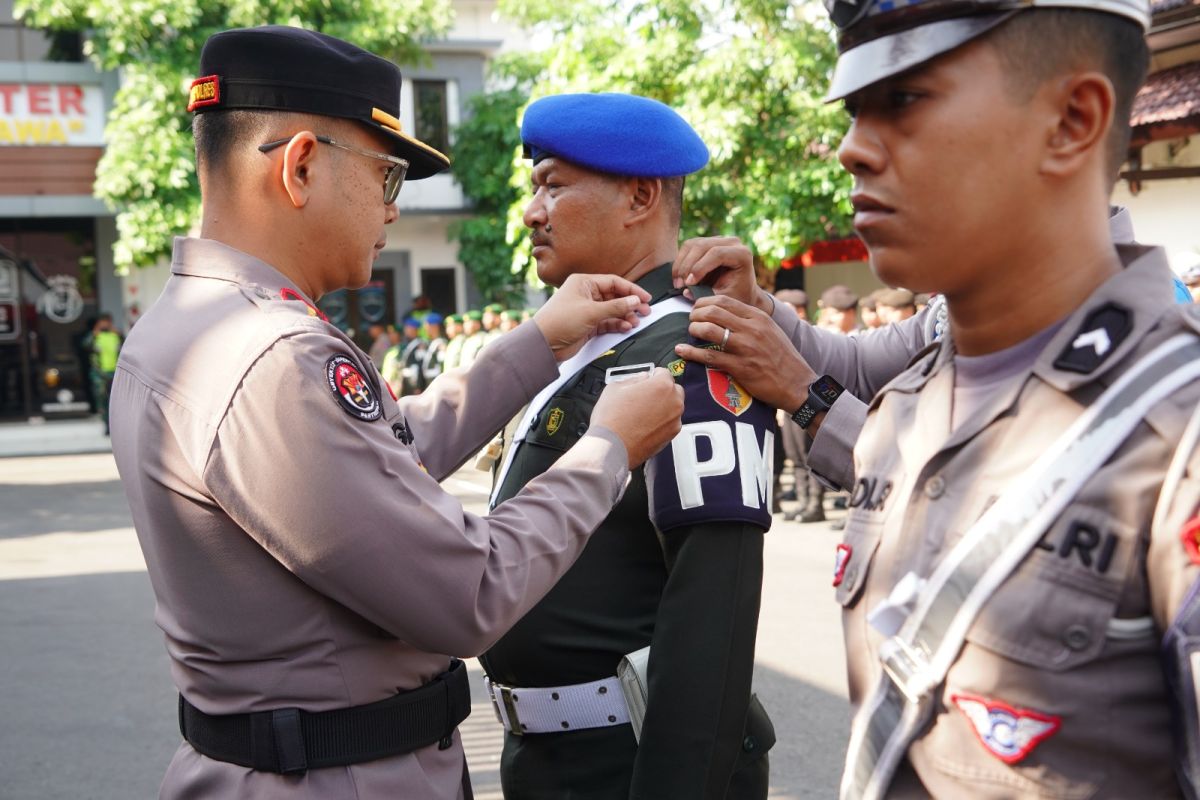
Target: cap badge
(1009, 733)
(204, 91)
(351, 389)
(727, 393)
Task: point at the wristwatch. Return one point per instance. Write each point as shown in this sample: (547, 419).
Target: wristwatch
(821, 395)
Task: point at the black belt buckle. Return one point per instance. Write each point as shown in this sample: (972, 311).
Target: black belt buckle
(289, 741)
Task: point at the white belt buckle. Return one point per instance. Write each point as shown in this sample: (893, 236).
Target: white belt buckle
(889, 615)
(907, 668)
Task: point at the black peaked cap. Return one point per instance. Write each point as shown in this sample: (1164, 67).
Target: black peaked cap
(279, 68)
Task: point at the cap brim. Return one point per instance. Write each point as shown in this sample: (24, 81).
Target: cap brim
(423, 160)
(872, 61)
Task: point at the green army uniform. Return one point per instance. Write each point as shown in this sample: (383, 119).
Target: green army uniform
(692, 591)
(453, 355)
(473, 343)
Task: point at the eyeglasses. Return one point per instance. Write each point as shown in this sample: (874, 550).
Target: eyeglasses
(391, 182)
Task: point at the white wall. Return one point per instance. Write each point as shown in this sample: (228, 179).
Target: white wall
(1166, 212)
(425, 238)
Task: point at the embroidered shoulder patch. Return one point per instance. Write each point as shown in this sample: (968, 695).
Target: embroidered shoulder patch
(1009, 733)
(352, 389)
(840, 561)
(727, 393)
(1191, 539)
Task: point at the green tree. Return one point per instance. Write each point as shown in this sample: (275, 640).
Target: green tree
(484, 148)
(748, 74)
(147, 173)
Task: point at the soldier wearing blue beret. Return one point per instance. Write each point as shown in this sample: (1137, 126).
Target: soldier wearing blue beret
(677, 566)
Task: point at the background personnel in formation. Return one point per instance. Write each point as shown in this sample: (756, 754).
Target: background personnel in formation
(312, 579)
(103, 346)
(678, 563)
(1055, 685)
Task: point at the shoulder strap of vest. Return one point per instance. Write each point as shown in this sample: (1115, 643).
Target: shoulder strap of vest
(569, 368)
(944, 606)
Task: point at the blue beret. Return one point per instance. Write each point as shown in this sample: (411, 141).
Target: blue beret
(412, 322)
(621, 134)
(433, 318)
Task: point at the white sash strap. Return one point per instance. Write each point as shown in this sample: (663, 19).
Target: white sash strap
(571, 367)
(917, 659)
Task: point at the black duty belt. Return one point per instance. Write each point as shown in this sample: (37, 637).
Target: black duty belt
(289, 740)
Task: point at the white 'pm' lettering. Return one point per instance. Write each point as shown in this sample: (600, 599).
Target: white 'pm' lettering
(754, 465)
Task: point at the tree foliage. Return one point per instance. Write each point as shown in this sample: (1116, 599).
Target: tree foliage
(748, 74)
(484, 148)
(147, 173)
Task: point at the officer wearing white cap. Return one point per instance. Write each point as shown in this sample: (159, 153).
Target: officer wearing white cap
(1019, 568)
(677, 565)
(312, 579)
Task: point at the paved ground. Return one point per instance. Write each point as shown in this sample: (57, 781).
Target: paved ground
(87, 709)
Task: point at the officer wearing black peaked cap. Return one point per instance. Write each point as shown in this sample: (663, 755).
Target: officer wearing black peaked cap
(312, 578)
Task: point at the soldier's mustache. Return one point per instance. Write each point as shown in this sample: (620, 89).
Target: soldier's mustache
(538, 237)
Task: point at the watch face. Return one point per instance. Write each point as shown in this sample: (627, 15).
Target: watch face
(827, 389)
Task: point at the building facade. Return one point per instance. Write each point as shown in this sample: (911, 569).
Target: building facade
(56, 271)
(56, 266)
(1161, 182)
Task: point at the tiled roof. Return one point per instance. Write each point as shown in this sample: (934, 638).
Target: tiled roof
(1160, 6)
(1172, 95)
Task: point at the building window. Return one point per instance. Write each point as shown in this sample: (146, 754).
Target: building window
(432, 117)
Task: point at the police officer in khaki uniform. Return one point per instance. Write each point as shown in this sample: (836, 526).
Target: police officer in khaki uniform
(1063, 672)
(312, 579)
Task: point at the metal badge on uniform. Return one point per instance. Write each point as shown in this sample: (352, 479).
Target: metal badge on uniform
(1008, 733)
(727, 393)
(352, 390)
(840, 561)
(1101, 333)
(625, 372)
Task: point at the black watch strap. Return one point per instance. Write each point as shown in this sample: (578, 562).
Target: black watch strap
(822, 394)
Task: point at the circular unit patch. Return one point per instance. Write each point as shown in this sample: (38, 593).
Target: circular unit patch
(353, 392)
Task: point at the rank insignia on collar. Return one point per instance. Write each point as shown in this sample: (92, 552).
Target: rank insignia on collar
(840, 560)
(1191, 539)
(313, 311)
(351, 389)
(1009, 733)
(727, 393)
(1102, 331)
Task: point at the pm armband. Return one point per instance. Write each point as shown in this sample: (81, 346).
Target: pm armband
(720, 467)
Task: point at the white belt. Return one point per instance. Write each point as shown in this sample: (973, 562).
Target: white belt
(554, 709)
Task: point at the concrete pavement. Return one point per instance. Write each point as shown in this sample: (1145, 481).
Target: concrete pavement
(87, 708)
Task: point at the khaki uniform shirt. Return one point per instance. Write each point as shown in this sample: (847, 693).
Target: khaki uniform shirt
(300, 549)
(1069, 646)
